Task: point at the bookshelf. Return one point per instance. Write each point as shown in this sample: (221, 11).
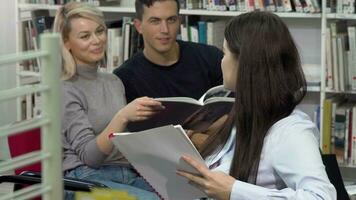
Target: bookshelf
(28, 6)
(330, 90)
(309, 30)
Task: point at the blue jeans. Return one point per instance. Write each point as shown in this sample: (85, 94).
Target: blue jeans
(115, 177)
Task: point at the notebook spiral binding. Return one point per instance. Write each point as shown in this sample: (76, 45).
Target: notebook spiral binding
(154, 189)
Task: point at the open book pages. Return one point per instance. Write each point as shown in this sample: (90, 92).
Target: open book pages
(179, 109)
(217, 93)
(156, 155)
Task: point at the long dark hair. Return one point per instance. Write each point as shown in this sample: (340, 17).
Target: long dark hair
(270, 83)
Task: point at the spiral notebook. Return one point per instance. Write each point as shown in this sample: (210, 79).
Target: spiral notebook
(156, 155)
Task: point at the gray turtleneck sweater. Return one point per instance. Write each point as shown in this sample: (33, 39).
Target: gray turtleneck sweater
(90, 99)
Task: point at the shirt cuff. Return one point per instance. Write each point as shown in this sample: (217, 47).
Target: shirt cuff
(247, 191)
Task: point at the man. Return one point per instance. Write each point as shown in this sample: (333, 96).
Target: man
(167, 67)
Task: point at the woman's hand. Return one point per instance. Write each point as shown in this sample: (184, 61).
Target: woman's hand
(140, 109)
(216, 185)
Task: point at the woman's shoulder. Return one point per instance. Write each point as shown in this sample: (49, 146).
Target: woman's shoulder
(297, 117)
(71, 91)
(296, 124)
(68, 86)
(108, 76)
(111, 79)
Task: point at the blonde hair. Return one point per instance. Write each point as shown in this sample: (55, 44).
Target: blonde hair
(62, 25)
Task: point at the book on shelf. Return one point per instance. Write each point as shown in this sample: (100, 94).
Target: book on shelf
(156, 155)
(113, 48)
(202, 30)
(351, 30)
(312, 76)
(339, 129)
(329, 60)
(42, 21)
(340, 135)
(306, 6)
(352, 138)
(109, 2)
(327, 120)
(215, 33)
(339, 52)
(216, 102)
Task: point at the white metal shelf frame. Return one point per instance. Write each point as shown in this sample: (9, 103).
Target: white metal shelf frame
(323, 91)
(341, 16)
(50, 155)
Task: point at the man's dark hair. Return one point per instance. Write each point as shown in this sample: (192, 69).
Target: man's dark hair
(139, 5)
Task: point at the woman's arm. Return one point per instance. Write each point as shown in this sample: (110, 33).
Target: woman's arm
(78, 133)
(139, 109)
(296, 160)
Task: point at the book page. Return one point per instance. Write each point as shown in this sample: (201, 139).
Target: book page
(179, 99)
(217, 91)
(156, 155)
(174, 113)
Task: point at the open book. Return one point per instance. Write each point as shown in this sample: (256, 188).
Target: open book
(215, 101)
(155, 154)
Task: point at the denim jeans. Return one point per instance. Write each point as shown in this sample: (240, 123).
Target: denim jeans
(115, 177)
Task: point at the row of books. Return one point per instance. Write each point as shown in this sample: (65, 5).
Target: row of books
(123, 39)
(339, 129)
(341, 56)
(123, 42)
(205, 32)
(307, 6)
(39, 22)
(340, 6)
(61, 2)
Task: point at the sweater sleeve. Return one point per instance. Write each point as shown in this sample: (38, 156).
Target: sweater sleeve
(78, 133)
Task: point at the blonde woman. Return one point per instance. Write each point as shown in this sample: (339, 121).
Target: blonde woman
(94, 104)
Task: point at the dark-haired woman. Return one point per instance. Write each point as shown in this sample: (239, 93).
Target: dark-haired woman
(267, 149)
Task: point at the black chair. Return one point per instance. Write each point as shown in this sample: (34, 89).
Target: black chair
(333, 172)
(29, 178)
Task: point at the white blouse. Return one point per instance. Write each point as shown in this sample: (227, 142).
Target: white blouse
(290, 165)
